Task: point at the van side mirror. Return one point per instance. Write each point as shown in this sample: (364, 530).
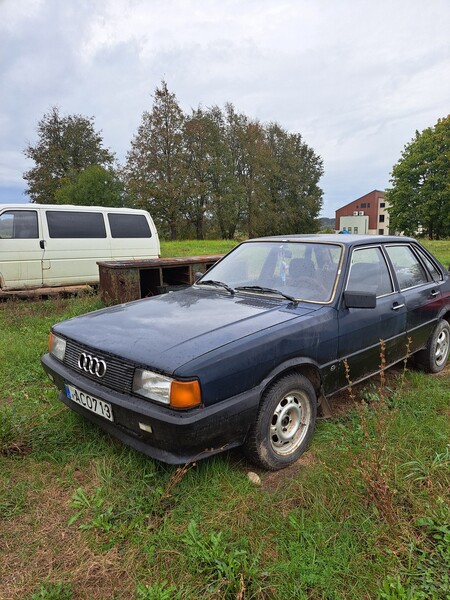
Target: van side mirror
(360, 299)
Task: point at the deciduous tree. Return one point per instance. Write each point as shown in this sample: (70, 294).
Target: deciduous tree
(420, 192)
(95, 186)
(66, 146)
(156, 164)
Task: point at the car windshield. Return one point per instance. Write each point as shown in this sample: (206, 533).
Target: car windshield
(298, 270)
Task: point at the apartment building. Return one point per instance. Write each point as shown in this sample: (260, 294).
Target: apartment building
(366, 215)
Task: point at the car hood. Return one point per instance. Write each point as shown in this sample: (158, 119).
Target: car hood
(168, 331)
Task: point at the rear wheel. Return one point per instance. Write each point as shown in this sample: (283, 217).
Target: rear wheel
(284, 424)
(434, 357)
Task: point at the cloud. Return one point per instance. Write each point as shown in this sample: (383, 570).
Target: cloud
(356, 79)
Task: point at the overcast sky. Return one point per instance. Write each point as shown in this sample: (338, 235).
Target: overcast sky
(356, 78)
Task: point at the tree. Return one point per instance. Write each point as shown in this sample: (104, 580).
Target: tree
(420, 193)
(296, 195)
(66, 146)
(156, 164)
(95, 186)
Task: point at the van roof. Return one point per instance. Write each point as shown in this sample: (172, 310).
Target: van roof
(28, 205)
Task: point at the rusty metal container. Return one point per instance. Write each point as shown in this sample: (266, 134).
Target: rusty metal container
(123, 281)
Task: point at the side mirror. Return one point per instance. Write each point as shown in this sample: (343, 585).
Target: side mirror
(360, 299)
(197, 276)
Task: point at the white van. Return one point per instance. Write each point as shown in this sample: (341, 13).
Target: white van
(58, 245)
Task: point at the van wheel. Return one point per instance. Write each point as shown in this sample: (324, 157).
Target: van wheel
(434, 357)
(284, 424)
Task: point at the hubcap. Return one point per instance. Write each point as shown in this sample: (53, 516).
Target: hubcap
(441, 350)
(290, 422)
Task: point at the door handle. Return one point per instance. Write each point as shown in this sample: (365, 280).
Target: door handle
(434, 293)
(396, 306)
(42, 244)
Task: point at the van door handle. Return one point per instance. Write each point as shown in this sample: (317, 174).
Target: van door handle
(396, 306)
(434, 293)
(42, 244)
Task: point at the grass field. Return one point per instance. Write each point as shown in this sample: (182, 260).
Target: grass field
(441, 248)
(364, 514)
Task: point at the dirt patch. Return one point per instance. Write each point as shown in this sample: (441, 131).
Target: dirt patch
(38, 546)
(273, 481)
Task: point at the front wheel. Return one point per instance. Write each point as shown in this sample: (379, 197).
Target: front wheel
(434, 357)
(284, 424)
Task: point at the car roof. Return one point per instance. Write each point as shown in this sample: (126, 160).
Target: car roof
(335, 238)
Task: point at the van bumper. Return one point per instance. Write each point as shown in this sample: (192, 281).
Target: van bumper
(176, 436)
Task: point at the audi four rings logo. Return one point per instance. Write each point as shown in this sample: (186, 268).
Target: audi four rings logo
(92, 364)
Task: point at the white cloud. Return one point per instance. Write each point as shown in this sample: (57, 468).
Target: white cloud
(355, 78)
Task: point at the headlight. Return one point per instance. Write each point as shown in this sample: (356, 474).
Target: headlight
(57, 346)
(179, 394)
(152, 385)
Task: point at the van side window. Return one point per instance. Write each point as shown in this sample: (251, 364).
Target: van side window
(72, 224)
(128, 226)
(19, 225)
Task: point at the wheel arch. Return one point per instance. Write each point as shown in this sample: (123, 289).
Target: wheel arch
(305, 367)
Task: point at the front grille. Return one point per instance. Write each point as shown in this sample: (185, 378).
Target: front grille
(118, 376)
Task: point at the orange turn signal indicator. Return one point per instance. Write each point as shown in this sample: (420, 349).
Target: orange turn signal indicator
(185, 394)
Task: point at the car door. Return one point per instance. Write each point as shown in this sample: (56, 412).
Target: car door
(361, 330)
(420, 290)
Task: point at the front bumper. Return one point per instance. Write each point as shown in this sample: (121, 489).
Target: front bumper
(176, 437)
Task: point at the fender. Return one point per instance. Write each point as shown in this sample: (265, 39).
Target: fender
(290, 365)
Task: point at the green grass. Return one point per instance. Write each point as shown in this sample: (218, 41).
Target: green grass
(196, 247)
(364, 514)
(440, 249)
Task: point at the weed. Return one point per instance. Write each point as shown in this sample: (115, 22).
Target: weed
(53, 591)
(226, 568)
(393, 589)
(100, 515)
(423, 473)
(157, 591)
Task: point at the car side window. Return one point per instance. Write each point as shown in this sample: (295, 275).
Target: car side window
(435, 274)
(369, 272)
(408, 269)
(19, 224)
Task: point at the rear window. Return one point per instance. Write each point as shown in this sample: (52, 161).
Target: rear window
(71, 224)
(128, 226)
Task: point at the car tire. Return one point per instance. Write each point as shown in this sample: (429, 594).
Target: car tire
(434, 357)
(284, 423)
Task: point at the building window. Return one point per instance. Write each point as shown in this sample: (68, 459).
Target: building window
(363, 205)
(382, 204)
(349, 229)
(381, 232)
(355, 230)
(381, 219)
(368, 205)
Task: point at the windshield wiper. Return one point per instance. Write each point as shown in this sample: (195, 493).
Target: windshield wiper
(217, 284)
(266, 290)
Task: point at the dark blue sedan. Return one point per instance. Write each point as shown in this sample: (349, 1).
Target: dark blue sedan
(247, 355)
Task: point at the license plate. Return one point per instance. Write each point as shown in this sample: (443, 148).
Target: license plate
(95, 405)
